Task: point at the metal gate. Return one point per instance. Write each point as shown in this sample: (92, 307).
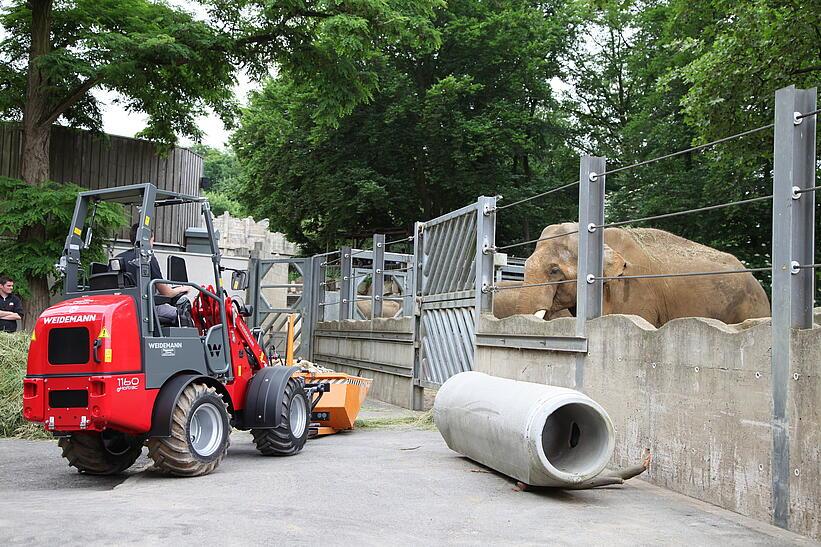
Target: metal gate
(275, 297)
(455, 261)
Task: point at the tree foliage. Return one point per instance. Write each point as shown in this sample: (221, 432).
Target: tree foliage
(223, 172)
(663, 76)
(173, 64)
(52, 205)
(476, 115)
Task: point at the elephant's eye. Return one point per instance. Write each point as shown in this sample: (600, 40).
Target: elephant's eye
(555, 270)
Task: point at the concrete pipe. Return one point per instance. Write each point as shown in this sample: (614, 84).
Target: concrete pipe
(540, 435)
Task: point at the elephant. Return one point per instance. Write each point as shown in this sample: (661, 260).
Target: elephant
(389, 308)
(639, 251)
(505, 302)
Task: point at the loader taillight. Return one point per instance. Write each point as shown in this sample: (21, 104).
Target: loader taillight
(97, 388)
(29, 389)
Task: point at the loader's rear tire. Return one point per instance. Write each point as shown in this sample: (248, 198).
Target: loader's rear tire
(289, 438)
(107, 453)
(200, 434)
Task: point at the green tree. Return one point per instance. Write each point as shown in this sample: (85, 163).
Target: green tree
(220, 167)
(173, 66)
(476, 115)
(660, 76)
(223, 172)
(53, 211)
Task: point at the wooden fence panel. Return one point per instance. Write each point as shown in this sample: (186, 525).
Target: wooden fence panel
(103, 161)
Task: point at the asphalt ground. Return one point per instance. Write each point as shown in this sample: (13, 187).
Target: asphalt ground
(382, 486)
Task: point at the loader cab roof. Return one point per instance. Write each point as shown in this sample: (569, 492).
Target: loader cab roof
(134, 194)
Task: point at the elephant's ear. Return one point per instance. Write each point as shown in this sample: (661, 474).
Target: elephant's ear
(614, 263)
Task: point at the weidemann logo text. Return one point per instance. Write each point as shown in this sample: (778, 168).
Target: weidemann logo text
(164, 345)
(69, 319)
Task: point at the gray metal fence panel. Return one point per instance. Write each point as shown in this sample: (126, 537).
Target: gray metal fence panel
(272, 319)
(452, 252)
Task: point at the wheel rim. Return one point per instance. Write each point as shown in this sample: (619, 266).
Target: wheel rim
(298, 416)
(205, 431)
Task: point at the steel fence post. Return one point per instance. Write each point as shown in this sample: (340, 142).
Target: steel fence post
(485, 248)
(415, 311)
(378, 275)
(410, 285)
(591, 249)
(345, 263)
(311, 290)
(792, 245)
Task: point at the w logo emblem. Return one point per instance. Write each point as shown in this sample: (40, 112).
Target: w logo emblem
(214, 349)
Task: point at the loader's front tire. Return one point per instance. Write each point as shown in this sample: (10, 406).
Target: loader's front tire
(106, 453)
(200, 434)
(295, 413)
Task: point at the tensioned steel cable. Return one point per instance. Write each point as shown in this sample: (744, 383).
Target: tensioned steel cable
(680, 213)
(808, 114)
(536, 240)
(558, 188)
(685, 274)
(807, 266)
(406, 239)
(805, 190)
(496, 288)
(686, 151)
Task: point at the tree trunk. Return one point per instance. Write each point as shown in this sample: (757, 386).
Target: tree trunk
(34, 161)
(36, 133)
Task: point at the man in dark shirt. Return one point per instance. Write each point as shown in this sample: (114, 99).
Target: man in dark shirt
(11, 308)
(166, 312)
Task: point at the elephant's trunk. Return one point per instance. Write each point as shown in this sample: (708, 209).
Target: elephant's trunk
(535, 299)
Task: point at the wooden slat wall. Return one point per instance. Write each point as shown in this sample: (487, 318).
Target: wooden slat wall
(103, 161)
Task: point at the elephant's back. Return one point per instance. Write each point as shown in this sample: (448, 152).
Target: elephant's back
(669, 250)
(730, 298)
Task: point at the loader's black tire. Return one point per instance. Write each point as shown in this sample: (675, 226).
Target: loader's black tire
(107, 453)
(289, 438)
(200, 434)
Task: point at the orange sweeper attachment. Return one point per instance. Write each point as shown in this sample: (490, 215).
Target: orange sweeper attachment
(337, 408)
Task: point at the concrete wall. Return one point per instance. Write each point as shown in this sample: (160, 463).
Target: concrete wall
(238, 235)
(696, 392)
(381, 349)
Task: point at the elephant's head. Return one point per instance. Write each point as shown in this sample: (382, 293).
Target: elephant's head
(556, 260)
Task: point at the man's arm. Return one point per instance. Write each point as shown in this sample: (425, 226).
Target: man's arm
(164, 288)
(170, 292)
(9, 316)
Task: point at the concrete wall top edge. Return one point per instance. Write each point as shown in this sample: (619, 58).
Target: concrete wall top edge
(528, 325)
(398, 324)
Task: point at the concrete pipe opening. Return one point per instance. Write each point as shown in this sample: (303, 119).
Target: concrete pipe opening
(575, 439)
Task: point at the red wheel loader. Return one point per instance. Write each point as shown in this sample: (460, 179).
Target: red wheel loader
(106, 375)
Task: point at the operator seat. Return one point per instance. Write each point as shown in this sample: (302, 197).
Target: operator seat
(110, 280)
